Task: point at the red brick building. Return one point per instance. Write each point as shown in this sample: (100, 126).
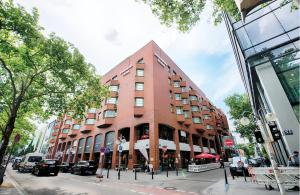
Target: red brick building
(153, 104)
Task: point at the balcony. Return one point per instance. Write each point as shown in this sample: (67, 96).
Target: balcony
(105, 122)
(175, 78)
(87, 128)
(194, 103)
(139, 79)
(197, 114)
(177, 103)
(54, 134)
(188, 121)
(62, 136)
(138, 111)
(180, 118)
(52, 141)
(66, 126)
(140, 66)
(192, 92)
(113, 94)
(210, 132)
(185, 95)
(114, 82)
(57, 126)
(176, 90)
(183, 84)
(206, 112)
(199, 127)
(186, 107)
(73, 133)
(91, 115)
(109, 107)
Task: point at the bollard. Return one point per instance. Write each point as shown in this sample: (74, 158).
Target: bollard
(134, 174)
(119, 174)
(107, 175)
(152, 173)
(167, 171)
(176, 172)
(226, 180)
(244, 174)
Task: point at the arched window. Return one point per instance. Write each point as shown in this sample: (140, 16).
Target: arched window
(109, 140)
(98, 141)
(80, 145)
(88, 145)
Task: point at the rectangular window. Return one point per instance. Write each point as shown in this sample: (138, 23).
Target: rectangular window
(195, 109)
(90, 121)
(114, 88)
(193, 97)
(186, 114)
(207, 116)
(112, 100)
(110, 113)
(177, 96)
(68, 122)
(92, 110)
(139, 86)
(205, 108)
(184, 89)
(140, 72)
(139, 102)
(209, 127)
(184, 101)
(176, 84)
(196, 120)
(65, 131)
(179, 110)
(76, 127)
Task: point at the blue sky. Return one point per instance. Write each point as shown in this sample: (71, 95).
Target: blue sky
(106, 32)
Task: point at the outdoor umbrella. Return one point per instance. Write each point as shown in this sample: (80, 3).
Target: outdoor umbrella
(205, 155)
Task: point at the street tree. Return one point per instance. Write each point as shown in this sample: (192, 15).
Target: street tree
(185, 14)
(40, 75)
(239, 106)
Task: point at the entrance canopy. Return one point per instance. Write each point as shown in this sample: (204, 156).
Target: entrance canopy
(205, 155)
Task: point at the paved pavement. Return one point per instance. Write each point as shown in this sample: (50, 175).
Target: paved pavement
(205, 183)
(65, 183)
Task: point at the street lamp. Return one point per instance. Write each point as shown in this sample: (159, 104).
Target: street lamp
(269, 117)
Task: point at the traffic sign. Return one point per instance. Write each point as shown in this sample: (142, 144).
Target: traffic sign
(228, 142)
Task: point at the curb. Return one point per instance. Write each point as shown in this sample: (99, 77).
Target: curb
(19, 188)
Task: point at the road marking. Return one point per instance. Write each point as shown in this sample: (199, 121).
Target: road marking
(180, 190)
(142, 192)
(192, 192)
(19, 188)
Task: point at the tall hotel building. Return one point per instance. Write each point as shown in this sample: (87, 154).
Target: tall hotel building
(153, 105)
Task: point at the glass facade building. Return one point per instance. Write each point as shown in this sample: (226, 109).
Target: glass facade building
(266, 47)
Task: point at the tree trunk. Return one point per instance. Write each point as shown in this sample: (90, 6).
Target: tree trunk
(5, 138)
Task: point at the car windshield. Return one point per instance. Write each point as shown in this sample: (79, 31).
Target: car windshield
(235, 160)
(51, 162)
(34, 159)
(83, 163)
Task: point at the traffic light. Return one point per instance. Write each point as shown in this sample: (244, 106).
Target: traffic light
(274, 131)
(258, 137)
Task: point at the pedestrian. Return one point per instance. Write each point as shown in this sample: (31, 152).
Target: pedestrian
(294, 162)
(221, 163)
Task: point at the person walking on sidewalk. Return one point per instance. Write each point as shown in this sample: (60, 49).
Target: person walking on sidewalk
(294, 162)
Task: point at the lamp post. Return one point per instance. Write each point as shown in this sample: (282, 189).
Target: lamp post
(269, 117)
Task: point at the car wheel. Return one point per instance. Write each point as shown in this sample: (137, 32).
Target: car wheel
(81, 172)
(55, 173)
(72, 172)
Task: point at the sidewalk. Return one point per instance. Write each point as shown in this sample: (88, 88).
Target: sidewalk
(10, 187)
(240, 187)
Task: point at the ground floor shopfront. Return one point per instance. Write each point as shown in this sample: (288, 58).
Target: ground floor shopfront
(160, 145)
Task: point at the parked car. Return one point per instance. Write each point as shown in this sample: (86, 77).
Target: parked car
(29, 162)
(84, 167)
(46, 167)
(238, 165)
(16, 163)
(65, 167)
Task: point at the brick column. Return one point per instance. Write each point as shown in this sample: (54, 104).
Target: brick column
(191, 145)
(132, 153)
(65, 152)
(91, 157)
(154, 145)
(115, 158)
(176, 140)
(208, 144)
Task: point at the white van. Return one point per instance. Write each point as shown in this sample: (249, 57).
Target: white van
(29, 161)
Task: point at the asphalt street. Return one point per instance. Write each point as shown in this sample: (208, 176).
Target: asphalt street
(68, 184)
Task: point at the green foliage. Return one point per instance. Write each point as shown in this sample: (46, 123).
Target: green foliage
(239, 106)
(186, 13)
(249, 149)
(40, 75)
